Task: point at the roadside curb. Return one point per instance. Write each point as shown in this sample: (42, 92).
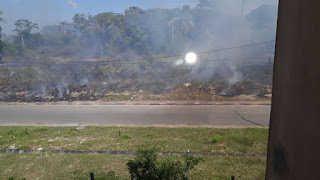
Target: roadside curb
(118, 153)
(151, 103)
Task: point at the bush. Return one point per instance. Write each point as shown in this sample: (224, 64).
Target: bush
(8, 49)
(18, 133)
(125, 137)
(217, 139)
(146, 166)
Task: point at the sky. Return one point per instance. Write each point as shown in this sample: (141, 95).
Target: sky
(48, 12)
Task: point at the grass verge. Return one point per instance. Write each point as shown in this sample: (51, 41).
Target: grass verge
(248, 140)
(52, 166)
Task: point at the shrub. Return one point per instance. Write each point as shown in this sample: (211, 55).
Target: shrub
(125, 136)
(146, 166)
(73, 129)
(150, 135)
(8, 49)
(18, 133)
(217, 139)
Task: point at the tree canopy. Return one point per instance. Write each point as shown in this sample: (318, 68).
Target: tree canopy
(1, 44)
(150, 32)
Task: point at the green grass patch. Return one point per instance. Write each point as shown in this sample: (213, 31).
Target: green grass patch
(247, 140)
(53, 166)
(125, 137)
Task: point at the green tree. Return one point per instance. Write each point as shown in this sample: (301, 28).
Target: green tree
(206, 4)
(1, 44)
(99, 25)
(1, 20)
(93, 27)
(80, 21)
(182, 22)
(26, 38)
(105, 31)
(24, 28)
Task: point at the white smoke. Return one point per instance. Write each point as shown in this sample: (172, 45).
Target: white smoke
(73, 4)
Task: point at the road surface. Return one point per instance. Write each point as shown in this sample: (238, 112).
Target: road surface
(136, 115)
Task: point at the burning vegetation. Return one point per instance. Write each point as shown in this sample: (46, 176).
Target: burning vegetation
(138, 55)
(167, 87)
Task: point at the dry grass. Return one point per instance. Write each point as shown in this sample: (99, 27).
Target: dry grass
(53, 166)
(50, 166)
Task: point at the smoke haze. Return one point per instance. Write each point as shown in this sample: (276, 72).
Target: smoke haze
(89, 56)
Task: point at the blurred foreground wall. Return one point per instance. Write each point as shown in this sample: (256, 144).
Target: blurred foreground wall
(294, 144)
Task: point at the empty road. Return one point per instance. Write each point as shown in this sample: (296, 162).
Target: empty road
(136, 115)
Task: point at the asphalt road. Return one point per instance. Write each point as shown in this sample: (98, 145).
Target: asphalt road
(136, 115)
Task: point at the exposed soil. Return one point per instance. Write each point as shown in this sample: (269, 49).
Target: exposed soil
(244, 91)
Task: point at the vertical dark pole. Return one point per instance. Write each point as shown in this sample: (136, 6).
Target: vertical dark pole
(92, 176)
(293, 149)
(232, 178)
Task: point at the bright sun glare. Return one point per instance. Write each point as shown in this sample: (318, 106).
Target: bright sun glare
(191, 58)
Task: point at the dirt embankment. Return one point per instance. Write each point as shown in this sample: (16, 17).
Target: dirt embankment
(187, 94)
(135, 94)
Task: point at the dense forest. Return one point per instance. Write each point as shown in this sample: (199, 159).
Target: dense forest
(93, 56)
